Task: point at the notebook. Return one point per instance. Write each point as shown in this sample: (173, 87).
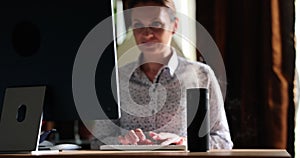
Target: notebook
(21, 116)
(144, 147)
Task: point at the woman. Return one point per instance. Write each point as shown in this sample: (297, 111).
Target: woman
(152, 89)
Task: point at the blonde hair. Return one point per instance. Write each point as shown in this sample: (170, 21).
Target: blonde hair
(166, 3)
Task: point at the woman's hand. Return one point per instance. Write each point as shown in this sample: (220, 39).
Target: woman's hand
(134, 137)
(167, 138)
(138, 137)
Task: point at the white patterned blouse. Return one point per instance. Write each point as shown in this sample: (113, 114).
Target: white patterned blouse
(160, 106)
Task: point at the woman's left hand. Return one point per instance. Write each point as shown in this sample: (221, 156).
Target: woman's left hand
(167, 138)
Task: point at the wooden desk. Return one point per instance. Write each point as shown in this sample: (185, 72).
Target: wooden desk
(159, 154)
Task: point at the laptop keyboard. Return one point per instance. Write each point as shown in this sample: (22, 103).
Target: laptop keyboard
(143, 147)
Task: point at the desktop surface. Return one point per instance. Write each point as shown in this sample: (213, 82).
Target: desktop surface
(275, 153)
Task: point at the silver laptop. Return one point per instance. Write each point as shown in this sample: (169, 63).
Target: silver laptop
(21, 116)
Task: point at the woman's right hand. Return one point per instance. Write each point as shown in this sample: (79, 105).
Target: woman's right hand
(134, 137)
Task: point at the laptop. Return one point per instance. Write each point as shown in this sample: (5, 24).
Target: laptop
(21, 119)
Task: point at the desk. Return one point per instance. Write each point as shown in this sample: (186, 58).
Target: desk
(159, 154)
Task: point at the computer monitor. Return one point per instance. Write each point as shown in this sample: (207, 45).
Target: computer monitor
(39, 42)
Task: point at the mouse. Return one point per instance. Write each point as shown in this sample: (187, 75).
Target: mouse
(65, 147)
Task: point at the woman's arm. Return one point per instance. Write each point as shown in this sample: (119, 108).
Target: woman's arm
(104, 132)
(219, 130)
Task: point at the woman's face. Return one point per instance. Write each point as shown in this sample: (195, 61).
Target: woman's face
(152, 28)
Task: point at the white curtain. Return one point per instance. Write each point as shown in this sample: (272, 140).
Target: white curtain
(297, 86)
(186, 9)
